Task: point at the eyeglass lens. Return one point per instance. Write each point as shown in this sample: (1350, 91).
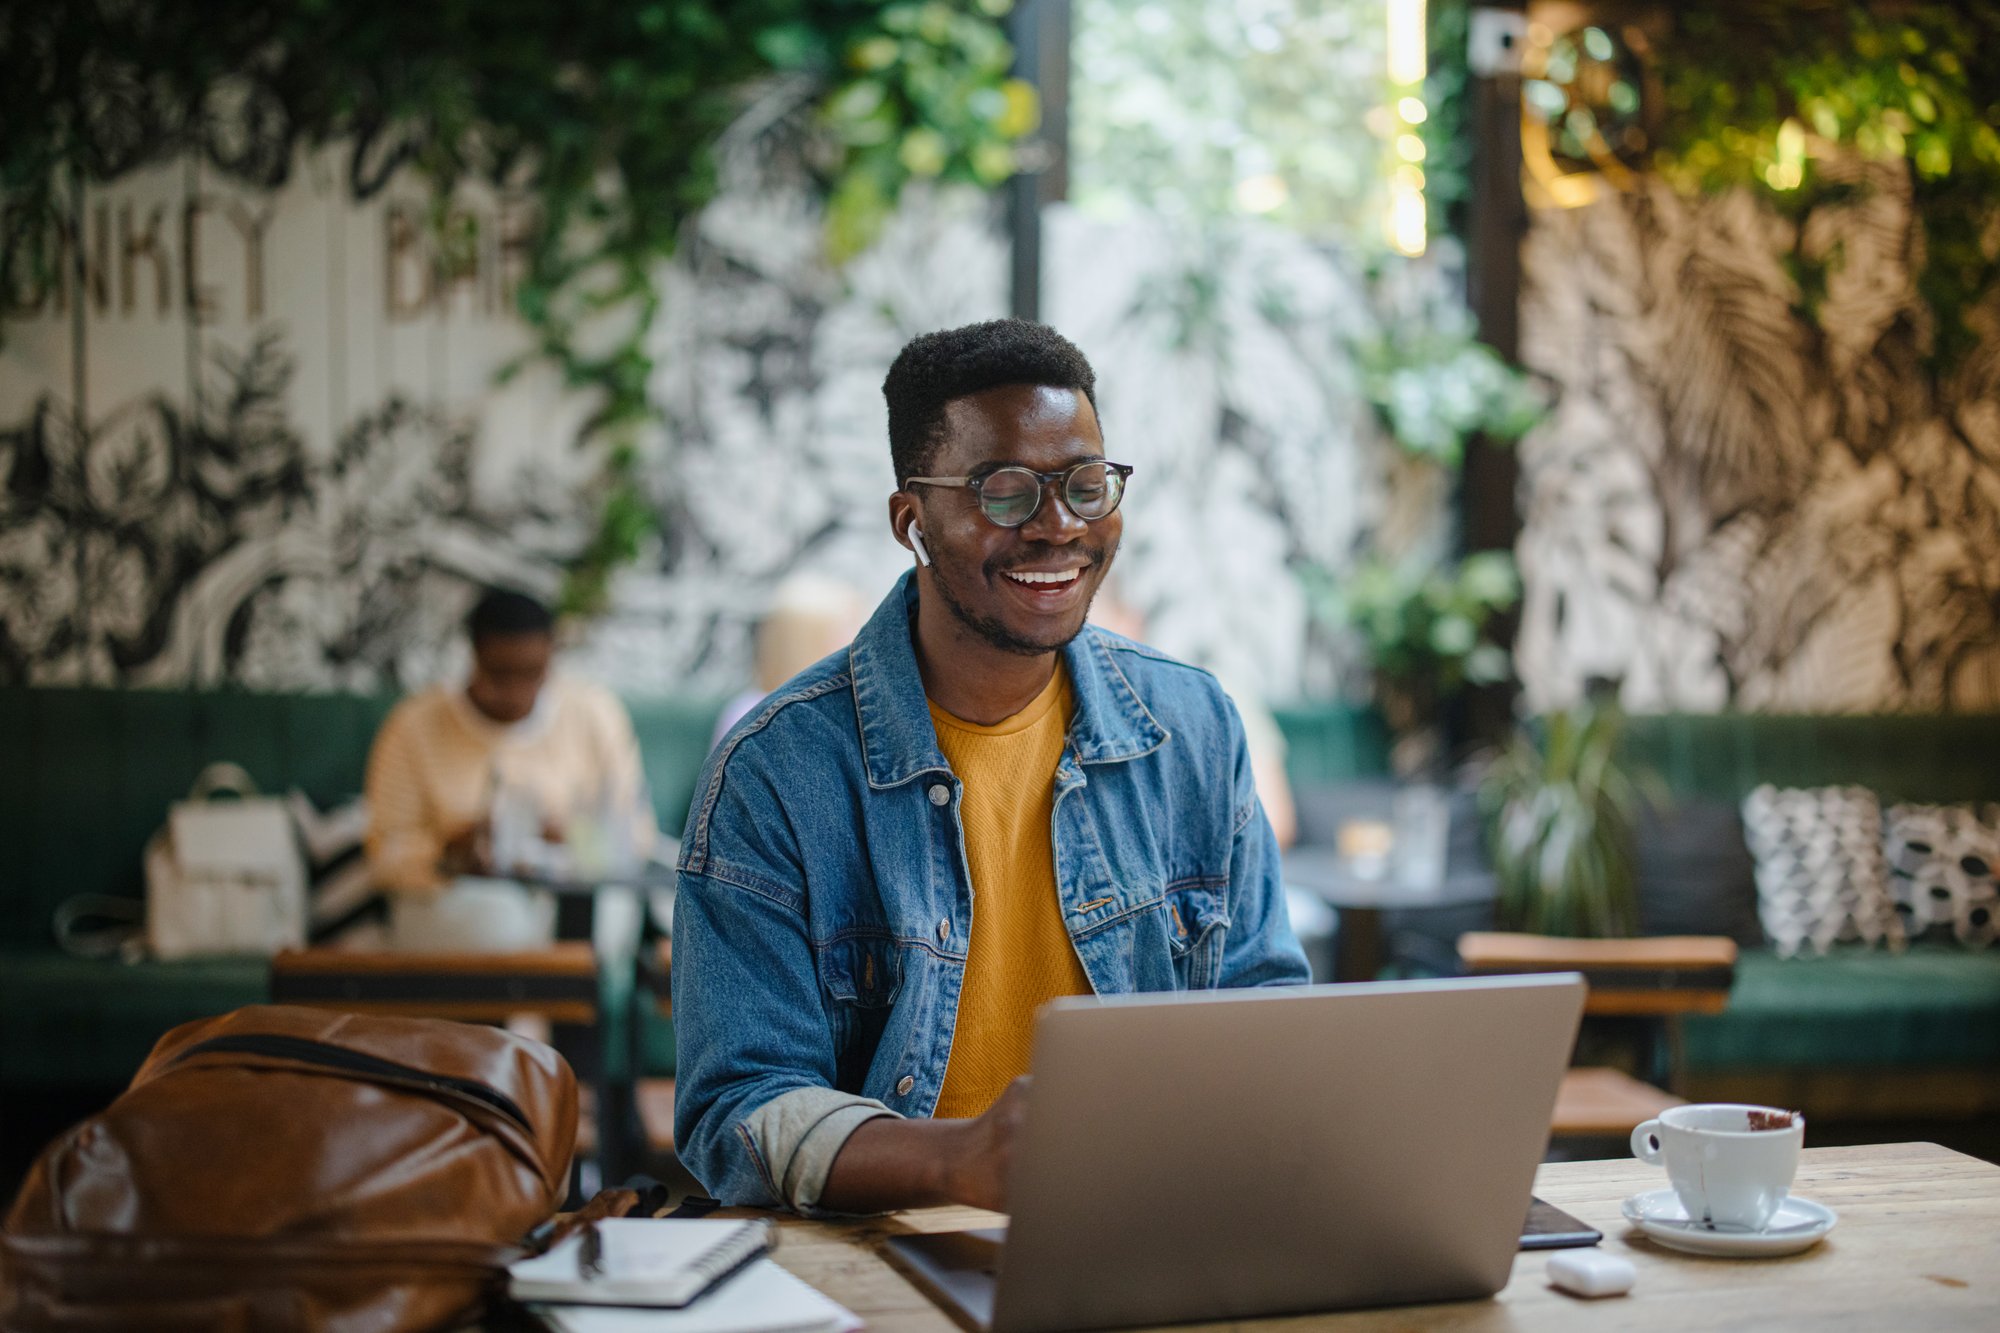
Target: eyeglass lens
(1011, 495)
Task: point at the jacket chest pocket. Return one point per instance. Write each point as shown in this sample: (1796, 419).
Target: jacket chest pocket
(860, 975)
(864, 971)
(1173, 942)
(1197, 920)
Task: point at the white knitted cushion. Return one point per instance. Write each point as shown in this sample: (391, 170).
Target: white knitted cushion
(1821, 877)
(1942, 860)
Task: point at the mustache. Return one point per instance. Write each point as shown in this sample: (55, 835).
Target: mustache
(1043, 552)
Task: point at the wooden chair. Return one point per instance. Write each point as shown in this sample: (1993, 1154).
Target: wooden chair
(1657, 979)
(558, 983)
(655, 1095)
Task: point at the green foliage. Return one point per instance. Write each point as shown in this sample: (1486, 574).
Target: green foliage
(1560, 811)
(606, 111)
(1428, 631)
(1208, 110)
(1757, 90)
(1435, 385)
(923, 96)
(1447, 139)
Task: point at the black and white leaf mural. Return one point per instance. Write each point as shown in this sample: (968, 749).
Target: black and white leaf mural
(200, 543)
(294, 468)
(1222, 377)
(1741, 502)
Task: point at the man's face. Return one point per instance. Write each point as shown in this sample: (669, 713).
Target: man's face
(508, 671)
(976, 563)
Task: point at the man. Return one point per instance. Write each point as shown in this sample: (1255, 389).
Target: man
(979, 806)
(475, 780)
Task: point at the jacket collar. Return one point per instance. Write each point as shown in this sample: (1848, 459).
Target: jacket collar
(899, 743)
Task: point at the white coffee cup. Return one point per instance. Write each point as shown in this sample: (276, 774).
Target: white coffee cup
(1727, 1174)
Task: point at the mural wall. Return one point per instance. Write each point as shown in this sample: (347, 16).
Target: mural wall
(1222, 380)
(256, 438)
(1736, 505)
(253, 437)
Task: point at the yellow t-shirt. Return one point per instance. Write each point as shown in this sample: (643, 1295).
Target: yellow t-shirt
(1021, 954)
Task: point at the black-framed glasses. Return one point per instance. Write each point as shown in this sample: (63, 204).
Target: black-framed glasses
(1011, 495)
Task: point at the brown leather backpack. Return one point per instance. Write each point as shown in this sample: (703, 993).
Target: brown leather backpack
(286, 1168)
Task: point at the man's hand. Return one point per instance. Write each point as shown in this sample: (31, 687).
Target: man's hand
(468, 851)
(977, 1173)
(888, 1164)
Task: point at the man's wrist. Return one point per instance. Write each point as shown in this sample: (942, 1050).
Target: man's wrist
(888, 1164)
(947, 1157)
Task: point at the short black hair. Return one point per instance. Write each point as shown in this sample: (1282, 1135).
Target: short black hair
(938, 367)
(502, 611)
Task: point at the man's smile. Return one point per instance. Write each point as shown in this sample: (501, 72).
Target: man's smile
(1044, 576)
(1052, 586)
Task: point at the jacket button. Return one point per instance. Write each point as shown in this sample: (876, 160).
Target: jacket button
(904, 1084)
(944, 930)
(940, 794)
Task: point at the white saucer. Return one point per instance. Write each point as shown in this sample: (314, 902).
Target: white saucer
(1797, 1225)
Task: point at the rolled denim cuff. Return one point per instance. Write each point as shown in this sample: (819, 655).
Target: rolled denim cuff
(797, 1136)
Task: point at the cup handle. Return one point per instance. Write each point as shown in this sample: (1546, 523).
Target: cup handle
(1646, 1143)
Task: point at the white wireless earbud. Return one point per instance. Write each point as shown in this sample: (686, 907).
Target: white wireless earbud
(917, 540)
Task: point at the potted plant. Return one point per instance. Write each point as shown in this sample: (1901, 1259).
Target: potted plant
(1428, 634)
(1560, 809)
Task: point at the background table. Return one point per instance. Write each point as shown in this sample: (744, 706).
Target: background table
(1917, 1246)
(1360, 950)
(1367, 904)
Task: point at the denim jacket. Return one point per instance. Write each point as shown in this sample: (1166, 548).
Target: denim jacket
(825, 906)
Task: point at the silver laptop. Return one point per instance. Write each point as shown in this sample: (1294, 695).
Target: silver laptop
(1233, 1154)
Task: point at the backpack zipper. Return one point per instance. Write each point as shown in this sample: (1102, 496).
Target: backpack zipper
(307, 1051)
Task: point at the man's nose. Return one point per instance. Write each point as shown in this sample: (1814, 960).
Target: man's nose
(1053, 522)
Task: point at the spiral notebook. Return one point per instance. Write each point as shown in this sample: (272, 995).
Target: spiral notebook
(662, 1262)
(761, 1298)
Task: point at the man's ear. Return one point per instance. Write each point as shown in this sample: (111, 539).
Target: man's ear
(905, 524)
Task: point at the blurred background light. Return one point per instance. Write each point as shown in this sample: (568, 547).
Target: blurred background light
(1408, 42)
(1406, 222)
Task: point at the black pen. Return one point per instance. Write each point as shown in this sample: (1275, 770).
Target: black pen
(590, 1258)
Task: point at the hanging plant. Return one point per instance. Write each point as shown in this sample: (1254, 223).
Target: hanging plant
(1447, 144)
(605, 112)
(1758, 93)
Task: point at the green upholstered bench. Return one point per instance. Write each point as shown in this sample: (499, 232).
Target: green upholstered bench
(1857, 1032)
(90, 774)
(1936, 1004)
(1901, 756)
(90, 777)
(79, 1022)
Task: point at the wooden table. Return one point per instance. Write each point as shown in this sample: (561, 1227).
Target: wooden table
(1917, 1247)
